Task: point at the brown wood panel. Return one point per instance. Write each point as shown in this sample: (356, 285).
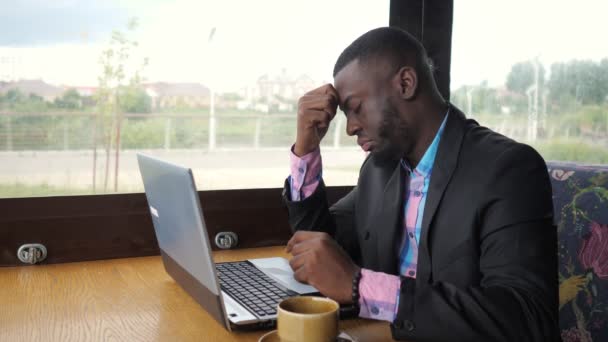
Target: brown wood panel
(130, 299)
(79, 228)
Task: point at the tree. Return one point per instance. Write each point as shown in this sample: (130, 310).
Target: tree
(232, 96)
(69, 100)
(30, 104)
(115, 62)
(601, 82)
(579, 81)
(476, 99)
(13, 97)
(134, 100)
(522, 74)
(18, 101)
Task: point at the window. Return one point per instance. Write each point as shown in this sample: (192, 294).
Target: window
(212, 85)
(536, 71)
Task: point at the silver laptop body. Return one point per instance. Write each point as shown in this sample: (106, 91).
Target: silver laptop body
(186, 251)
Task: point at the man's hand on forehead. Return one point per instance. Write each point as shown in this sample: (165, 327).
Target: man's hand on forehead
(316, 109)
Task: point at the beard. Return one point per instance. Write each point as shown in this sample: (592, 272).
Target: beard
(391, 134)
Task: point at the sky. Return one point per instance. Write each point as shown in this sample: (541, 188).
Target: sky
(489, 36)
(60, 41)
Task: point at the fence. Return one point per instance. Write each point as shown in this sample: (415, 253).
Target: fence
(572, 137)
(68, 153)
(85, 131)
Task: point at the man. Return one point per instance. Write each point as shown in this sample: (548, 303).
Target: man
(448, 234)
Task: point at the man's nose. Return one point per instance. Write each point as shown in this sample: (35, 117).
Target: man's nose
(353, 126)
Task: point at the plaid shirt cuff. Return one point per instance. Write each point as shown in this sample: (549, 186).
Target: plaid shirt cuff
(305, 174)
(378, 295)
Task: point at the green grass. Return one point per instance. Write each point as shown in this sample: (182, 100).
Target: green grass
(573, 150)
(575, 136)
(40, 190)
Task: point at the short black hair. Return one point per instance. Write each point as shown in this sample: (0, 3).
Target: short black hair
(394, 44)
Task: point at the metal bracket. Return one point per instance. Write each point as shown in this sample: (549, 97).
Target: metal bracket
(31, 253)
(226, 240)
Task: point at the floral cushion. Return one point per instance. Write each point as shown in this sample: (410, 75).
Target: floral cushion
(580, 199)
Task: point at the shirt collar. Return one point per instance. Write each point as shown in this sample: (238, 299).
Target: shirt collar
(425, 166)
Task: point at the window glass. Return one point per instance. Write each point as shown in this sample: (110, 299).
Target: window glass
(212, 85)
(536, 71)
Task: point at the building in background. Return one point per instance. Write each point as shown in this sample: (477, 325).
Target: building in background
(184, 95)
(275, 92)
(40, 88)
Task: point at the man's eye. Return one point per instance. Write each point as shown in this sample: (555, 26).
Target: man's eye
(352, 111)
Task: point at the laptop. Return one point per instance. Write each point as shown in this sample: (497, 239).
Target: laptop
(239, 295)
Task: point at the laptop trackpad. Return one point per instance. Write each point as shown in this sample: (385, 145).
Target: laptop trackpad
(279, 270)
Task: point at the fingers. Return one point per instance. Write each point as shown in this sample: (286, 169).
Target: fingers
(316, 118)
(323, 98)
(319, 101)
(326, 89)
(297, 237)
(301, 275)
(304, 246)
(309, 104)
(303, 269)
(316, 109)
(303, 235)
(298, 261)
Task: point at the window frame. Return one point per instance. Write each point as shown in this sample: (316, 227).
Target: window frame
(92, 227)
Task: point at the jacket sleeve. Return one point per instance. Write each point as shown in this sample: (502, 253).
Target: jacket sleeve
(516, 299)
(314, 214)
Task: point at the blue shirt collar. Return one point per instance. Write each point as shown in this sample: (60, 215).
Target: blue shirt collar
(425, 166)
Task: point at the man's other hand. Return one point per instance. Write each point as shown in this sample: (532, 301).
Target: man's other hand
(316, 109)
(319, 261)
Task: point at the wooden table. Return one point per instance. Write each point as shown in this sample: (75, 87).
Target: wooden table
(130, 299)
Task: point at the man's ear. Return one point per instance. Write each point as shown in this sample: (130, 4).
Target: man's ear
(406, 80)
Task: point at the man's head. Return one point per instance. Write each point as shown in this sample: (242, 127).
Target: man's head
(385, 83)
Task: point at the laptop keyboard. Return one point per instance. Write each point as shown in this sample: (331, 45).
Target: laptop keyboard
(251, 287)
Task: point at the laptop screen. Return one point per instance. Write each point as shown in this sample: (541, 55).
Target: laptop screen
(177, 218)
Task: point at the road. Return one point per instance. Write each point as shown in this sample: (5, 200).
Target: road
(220, 169)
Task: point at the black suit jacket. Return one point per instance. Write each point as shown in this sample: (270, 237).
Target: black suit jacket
(487, 262)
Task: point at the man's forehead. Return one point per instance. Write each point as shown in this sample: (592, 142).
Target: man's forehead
(357, 70)
(356, 77)
(351, 75)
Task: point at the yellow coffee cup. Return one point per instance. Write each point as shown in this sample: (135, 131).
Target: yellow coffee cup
(307, 318)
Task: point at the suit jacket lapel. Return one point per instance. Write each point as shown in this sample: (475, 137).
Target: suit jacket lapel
(388, 221)
(443, 168)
